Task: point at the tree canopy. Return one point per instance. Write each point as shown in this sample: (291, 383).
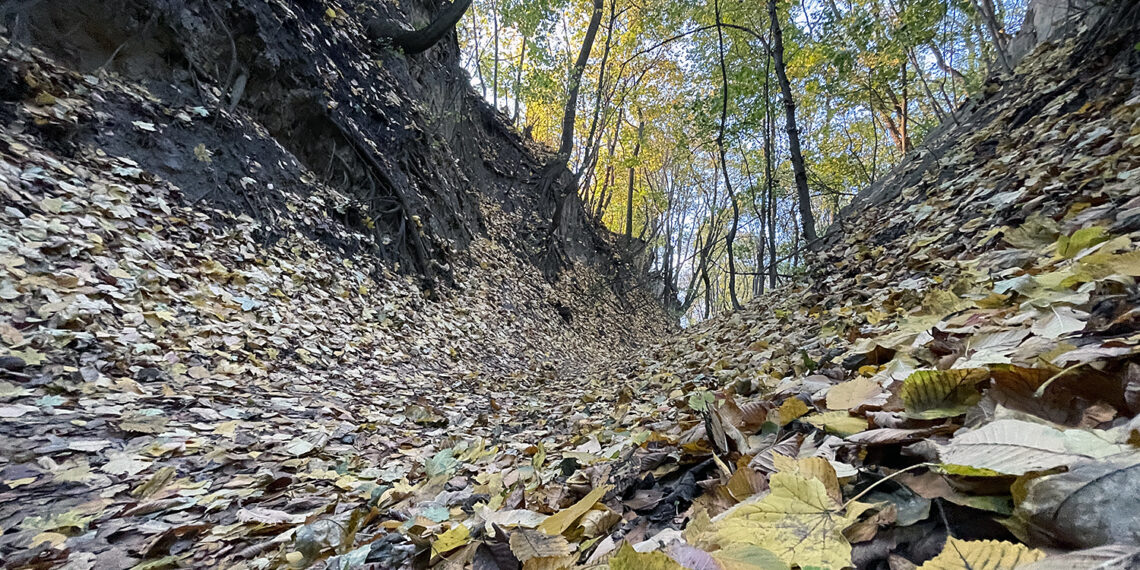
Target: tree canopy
(684, 115)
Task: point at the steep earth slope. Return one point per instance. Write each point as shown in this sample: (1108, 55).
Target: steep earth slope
(256, 268)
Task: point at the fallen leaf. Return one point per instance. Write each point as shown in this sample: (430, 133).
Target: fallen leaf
(1015, 447)
(1093, 504)
(747, 558)
(527, 544)
(853, 393)
(1059, 320)
(842, 424)
(791, 409)
(1111, 557)
(627, 558)
(797, 521)
(560, 521)
(981, 555)
(267, 516)
(934, 394)
(124, 464)
(451, 539)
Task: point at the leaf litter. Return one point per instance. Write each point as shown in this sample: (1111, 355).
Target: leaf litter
(953, 385)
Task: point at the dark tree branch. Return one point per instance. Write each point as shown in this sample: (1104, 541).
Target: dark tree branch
(419, 41)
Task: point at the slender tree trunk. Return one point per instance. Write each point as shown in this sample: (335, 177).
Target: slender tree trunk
(590, 137)
(518, 82)
(798, 169)
(708, 292)
(985, 9)
(758, 279)
(569, 113)
(669, 289)
(934, 104)
(608, 179)
(893, 129)
(478, 52)
(887, 105)
(905, 111)
(730, 237)
(769, 139)
(795, 243)
(632, 177)
(495, 68)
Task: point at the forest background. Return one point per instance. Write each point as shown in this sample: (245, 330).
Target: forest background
(720, 138)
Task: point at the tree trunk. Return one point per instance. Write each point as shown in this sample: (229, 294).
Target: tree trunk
(570, 111)
(904, 113)
(632, 166)
(495, 63)
(478, 53)
(608, 179)
(769, 138)
(730, 237)
(803, 194)
(986, 10)
(518, 82)
(591, 144)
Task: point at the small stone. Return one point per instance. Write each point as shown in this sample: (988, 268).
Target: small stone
(149, 374)
(12, 363)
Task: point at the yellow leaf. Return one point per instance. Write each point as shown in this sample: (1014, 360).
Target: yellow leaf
(817, 468)
(875, 316)
(51, 205)
(203, 154)
(30, 356)
(1103, 264)
(55, 539)
(227, 429)
(551, 563)
(744, 483)
(1070, 246)
(697, 531)
(629, 559)
(330, 14)
(851, 394)
(455, 537)
(527, 544)
(798, 522)
(981, 555)
(842, 424)
(597, 522)
(933, 394)
(155, 483)
(560, 521)
(747, 558)
(1034, 233)
(791, 409)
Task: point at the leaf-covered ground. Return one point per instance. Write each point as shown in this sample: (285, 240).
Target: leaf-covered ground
(953, 384)
(183, 386)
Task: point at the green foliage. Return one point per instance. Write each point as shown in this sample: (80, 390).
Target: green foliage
(870, 78)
